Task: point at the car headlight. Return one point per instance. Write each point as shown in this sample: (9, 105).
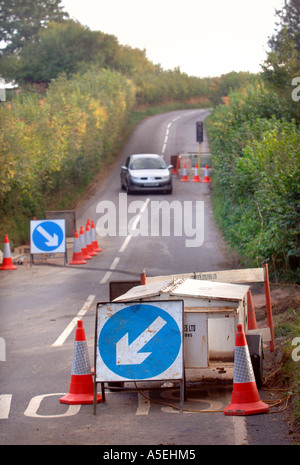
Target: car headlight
(133, 178)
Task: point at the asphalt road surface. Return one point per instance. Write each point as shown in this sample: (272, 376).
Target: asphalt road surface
(40, 305)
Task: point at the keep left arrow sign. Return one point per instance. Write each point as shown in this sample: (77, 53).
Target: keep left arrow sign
(129, 354)
(52, 241)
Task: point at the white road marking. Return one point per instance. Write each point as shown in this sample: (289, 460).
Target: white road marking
(111, 268)
(240, 430)
(5, 401)
(143, 404)
(61, 339)
(125, 243)
(35, 403)
(134, 225)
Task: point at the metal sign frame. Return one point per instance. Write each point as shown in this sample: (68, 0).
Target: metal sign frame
(107, 314)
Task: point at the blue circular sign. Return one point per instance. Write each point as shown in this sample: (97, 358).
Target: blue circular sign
(47, 236)
(139, 342)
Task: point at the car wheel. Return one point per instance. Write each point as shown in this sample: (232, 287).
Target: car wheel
(128, 190)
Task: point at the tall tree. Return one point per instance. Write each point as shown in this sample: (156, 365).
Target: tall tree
(289, 24)
(20, 21)
(283, 61)
(62, 47)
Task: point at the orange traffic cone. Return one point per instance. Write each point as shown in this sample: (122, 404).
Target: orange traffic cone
(184, 175)
(88, 241)
(196, 177)
(7, 263)
(81, 389)
(251, 312)
(77, 254)
(83, 246)
(94, 240)
(206, 177)
(245, 398)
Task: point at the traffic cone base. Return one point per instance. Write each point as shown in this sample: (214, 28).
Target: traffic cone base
(96, 247)
(81, 391)
(77, 259)
(246, 401)
(245, 397)
(7, 263)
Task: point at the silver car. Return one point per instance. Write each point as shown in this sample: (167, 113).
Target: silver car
(146, 172)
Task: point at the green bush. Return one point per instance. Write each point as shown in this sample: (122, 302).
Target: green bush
(257, 159)
(52, 145)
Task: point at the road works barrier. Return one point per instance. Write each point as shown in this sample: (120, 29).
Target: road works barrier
(7, 263)
(245, 397)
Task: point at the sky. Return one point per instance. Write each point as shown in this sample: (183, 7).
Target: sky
(201, 37)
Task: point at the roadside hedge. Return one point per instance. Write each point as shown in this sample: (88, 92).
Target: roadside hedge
(52, 144)
(256, 156)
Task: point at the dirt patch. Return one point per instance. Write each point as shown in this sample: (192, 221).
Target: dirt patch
(285, 302)
(282, 298)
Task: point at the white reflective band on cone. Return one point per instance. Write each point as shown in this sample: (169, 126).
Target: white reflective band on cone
(243, 371)
(81, 362)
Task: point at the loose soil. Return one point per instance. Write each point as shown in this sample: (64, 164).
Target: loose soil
(283, 298)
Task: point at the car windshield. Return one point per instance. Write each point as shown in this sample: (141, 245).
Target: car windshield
(147, 164)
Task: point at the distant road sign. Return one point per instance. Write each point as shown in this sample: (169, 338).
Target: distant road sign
(47, 236)
(139, 341)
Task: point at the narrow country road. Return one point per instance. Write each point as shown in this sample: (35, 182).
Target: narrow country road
(40, 306)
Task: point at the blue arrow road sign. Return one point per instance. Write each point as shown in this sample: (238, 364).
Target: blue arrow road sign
(47, 236)
(140, 341)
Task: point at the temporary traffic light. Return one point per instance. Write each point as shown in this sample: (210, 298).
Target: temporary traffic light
(199, 130)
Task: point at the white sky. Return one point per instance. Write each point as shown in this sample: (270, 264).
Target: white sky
(202, 37)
